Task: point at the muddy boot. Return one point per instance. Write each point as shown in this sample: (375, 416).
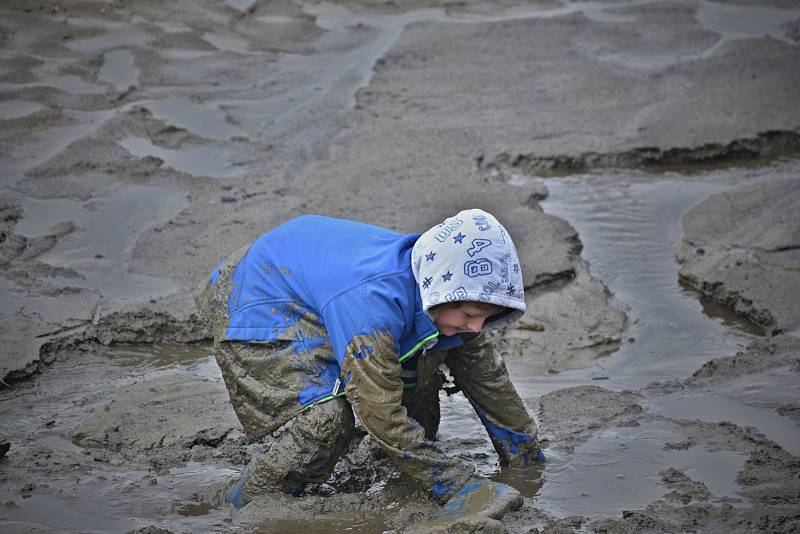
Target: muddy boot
(476, 507)
(482, 497)
(235, 494)
(4, 446)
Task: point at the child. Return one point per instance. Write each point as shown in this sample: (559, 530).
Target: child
(321, 317)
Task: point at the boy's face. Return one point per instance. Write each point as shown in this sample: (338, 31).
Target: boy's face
(462, 317)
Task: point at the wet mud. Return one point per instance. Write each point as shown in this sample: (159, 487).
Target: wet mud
(141, 143)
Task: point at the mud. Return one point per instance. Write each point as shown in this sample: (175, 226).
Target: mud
(141, 143)
(741, 248)
(765, 146)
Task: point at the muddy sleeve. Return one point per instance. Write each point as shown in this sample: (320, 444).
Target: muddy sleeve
(482, 375)
(375, 390)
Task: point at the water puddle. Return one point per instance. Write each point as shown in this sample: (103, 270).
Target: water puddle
(195, 360)
(630, 232)
(13, 109)
(731, 22)
(106, 231)
(59, 514)
(711, 407)
(40, 147)
(49, 74)
(207, 160)
(118, 69)
(735, 22)
(629, 224)
(324, 80)
(618, 469)
(725, 314)
(207, 121)
(116, 35)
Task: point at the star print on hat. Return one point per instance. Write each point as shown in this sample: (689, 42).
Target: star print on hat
(469, 257)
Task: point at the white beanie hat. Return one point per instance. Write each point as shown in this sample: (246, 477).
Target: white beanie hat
(469, 257)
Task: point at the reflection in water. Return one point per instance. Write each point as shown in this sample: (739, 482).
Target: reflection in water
(619, 469)
(106, 231)
(13, 109)
(203, 120)
(724, 313)
(205, 160)
(708, 406)
(629, 224)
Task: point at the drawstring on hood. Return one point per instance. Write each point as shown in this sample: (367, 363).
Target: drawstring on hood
(469, 257)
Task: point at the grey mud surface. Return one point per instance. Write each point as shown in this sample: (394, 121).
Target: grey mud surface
(141, 142)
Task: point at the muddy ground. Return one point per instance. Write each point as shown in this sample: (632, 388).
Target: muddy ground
(643, 155)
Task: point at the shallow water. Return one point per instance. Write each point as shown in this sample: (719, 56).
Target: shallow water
(619, 469)
(118, 69)
(12, 109)
(629, 224)
(204, 160)
(203, 120)
(106, 230)
(713, 407)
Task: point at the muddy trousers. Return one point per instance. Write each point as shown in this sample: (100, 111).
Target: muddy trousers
(305, 449)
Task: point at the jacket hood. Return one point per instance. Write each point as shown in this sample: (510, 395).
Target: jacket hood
(469, 257)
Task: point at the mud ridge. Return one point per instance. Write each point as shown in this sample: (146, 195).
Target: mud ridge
(766, 145)
(716, 292)
(139, 327)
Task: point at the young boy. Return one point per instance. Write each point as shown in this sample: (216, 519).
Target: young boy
(320, 318)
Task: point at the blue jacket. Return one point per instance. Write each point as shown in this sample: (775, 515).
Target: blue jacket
(349, 278)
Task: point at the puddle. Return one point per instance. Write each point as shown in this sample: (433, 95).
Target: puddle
(715, 408)
(207, 121)
(617, 470)
(732, 22)
(724, 313)
(197, 360)
(116, 35)
(56, 514)
(324, 80)
(207, 160)
(41, 146)
(119, 70)
(55, 441)
(106, 231)
(357, 62)
(48, 74)
(13, 109)
(629, 224)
